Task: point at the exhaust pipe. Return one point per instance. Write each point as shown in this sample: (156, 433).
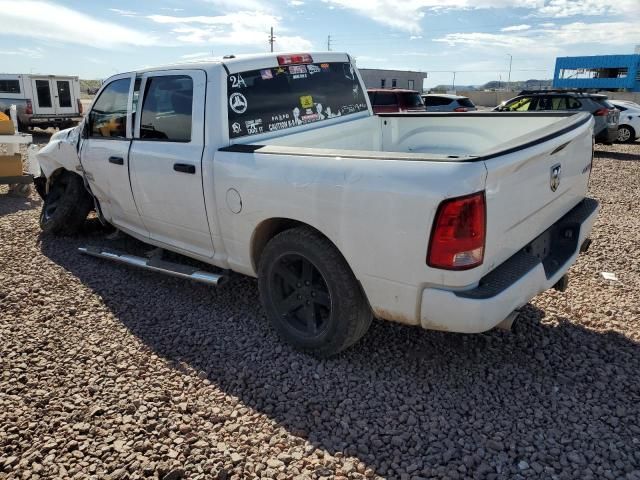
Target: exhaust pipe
(157, 265)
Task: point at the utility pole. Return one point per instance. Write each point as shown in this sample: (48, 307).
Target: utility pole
(509, 79)
(329, 43)
(453, 85)
(272, 39)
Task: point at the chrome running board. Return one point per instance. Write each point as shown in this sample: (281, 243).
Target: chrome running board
(155, 264)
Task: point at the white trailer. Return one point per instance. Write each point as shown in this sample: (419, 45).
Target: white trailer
(42, 100)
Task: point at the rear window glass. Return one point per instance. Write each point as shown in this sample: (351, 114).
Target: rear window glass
(384, 98)
(621, 108)
(430, 101)
(9, 86)
(272, 99)
(604, 102)
(465, 102)
(412, 100)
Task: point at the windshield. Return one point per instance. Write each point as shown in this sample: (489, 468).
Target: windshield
(272, 99)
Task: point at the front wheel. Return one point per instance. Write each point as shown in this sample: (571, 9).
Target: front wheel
(626, 134)
(66, 205)
(310, 294)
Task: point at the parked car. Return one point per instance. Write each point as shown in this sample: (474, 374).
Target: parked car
(395, 100)
(448, 103)
(629, 124)
(42, 100)
(605, 114)
(288, 176)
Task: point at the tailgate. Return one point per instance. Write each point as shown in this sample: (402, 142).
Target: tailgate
(531, 186)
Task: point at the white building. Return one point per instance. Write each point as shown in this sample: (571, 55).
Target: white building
(378, 78)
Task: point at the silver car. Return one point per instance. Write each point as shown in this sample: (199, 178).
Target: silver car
(448, 103)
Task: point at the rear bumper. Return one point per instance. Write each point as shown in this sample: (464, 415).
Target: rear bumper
(512, 284)
(608, 134)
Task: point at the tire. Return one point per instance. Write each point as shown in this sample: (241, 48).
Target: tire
(66, 206)
(310, 294)
(626, 134)
(20, 190)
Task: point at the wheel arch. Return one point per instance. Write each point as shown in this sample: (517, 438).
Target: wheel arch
(269, 228)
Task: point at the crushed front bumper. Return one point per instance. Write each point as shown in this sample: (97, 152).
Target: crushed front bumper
(511, 285)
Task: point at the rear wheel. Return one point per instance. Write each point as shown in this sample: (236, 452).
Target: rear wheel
(626, 134)
(310, 294)
(66, 206)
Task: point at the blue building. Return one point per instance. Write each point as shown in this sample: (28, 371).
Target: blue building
(600, 72)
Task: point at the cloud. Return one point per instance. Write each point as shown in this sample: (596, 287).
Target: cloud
(234, 5)
(196, 55)
(569, 8)
(50, 21)
(406, 15)
(124, 13)
(25, 52)
(295, 3)
(238, 29)
(516, 28)
(550, 40)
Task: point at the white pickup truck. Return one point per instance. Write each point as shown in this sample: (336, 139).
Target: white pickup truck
(274, 166)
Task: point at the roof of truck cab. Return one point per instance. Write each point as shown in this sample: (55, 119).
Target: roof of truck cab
(444, 95)
(244, 62)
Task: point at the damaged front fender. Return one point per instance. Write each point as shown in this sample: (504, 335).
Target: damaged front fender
(62, 151)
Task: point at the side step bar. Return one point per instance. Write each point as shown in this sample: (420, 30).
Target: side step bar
(155, 264)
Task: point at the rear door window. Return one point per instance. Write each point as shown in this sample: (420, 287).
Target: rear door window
(573, 103)
(272, 99)
(523, 104)
(166, 109)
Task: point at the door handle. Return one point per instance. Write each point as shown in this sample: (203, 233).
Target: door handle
(184, 168)
(116, 160)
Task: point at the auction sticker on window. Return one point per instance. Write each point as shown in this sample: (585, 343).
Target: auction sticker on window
(277, 98)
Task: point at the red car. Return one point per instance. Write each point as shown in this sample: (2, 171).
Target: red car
(395, 100)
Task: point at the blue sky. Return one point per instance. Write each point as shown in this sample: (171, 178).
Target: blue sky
(95, 39)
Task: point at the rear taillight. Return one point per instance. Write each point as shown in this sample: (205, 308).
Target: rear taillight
(295, 58)
(460, 109)
(29, 108)
(602, 112)
(79, 107)
(458, 233)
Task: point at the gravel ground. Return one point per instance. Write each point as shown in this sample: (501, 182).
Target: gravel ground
(111, 372)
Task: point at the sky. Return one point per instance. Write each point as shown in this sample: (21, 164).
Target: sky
(475, 38)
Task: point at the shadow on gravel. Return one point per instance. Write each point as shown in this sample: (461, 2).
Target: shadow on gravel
(10, 203)
(612, 155)
(403, 400)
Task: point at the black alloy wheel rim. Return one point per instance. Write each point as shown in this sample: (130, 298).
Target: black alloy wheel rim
(300, 295)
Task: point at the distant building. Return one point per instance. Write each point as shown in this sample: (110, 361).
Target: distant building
(377, 78)
(601, 72)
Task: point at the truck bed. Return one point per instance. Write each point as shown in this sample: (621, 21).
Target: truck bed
(428, 136)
